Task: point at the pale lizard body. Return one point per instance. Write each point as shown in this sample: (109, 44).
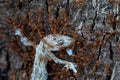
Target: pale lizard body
(52, 42)
(43, 50)
(39, 67)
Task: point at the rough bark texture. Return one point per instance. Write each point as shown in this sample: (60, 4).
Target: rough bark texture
(95, 24)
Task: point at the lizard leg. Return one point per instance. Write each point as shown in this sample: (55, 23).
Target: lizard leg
(68, 65)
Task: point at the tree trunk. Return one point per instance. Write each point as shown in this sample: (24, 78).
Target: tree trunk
(95, 24)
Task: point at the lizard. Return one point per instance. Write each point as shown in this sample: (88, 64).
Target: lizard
(49, 43)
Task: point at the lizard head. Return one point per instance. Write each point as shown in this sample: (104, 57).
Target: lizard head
(56, 42)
